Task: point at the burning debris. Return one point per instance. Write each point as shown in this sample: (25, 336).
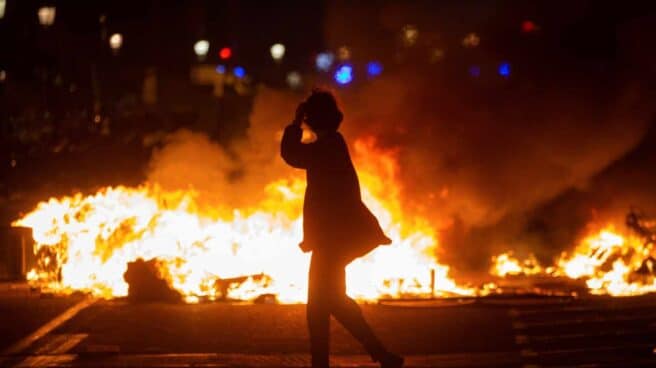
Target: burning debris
(146, 284)
(223, 286)
(608, 262)
(642, 225)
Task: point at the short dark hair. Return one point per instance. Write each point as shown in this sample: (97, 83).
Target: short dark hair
(322, 111)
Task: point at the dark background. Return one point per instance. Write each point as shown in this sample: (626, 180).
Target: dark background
(529, 160)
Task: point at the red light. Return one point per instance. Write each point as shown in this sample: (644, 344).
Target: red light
(528, 26)
(225, 53)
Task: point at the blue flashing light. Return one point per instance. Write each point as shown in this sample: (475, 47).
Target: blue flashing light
(324, 61)
(374, 68)
(239, 72)
(504, 69)
(221, 69)
(344, 74)
(475, 71)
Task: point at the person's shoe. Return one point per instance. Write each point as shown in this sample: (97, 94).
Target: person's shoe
(391, 361)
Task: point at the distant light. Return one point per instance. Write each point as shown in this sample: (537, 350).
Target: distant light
(504, 69)
(475, 71)
(471, 40)
(528, 26)
(225, 53)
(239, 72)
(221, 69)
(344, 74)
(324, 61)
(47, 15)
(294, 80)
(201, 48)
(277, 51)
(116, 41)
(3, 75)
(344, 53)
(3, 5)
(374, 68)
(436, 55)
(409, 35)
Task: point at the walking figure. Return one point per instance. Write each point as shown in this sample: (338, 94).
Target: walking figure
(337, 227)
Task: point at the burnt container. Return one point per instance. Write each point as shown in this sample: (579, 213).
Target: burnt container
(16, 253)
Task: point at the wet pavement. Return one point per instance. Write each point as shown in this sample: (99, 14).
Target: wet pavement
(490, 332)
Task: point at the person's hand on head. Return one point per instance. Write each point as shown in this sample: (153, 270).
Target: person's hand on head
(300, 114)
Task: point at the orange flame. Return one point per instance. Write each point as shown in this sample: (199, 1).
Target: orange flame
(608, 262)
(89, 240)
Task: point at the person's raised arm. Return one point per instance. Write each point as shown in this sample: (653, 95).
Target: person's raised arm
(294, 152)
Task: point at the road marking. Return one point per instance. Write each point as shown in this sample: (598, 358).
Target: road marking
(53, 352)
(25, 342)
(46, 361)
(60, 344)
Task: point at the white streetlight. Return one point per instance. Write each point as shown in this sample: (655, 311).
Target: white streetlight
(115, 42)
(47, 15)
(277, 52)
(201, 48)
(3, 6)
(324, 61)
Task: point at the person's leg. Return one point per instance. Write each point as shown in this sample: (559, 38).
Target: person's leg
(349, 314)
(318, 315)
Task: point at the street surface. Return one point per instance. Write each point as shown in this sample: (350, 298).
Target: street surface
(488, 332)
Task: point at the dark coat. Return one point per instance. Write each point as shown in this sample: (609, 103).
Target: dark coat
(335, 221)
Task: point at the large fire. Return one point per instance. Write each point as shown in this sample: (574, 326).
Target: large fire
(86, 242)
(608, 262)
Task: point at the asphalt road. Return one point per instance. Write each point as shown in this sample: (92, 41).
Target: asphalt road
(22, 314)
(491, 332)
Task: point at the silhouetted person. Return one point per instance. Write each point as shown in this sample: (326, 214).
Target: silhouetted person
(336, 224)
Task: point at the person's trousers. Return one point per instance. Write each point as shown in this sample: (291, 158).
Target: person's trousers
(326, 297)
